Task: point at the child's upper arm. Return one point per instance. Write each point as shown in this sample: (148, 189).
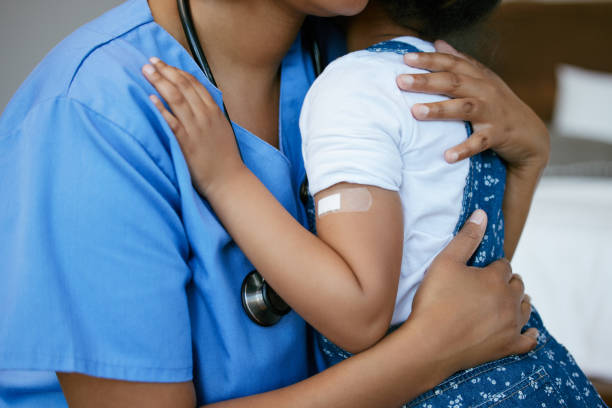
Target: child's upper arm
(367, 232)
(354, 127)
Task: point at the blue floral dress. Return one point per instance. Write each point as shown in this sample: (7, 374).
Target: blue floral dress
(546, 377)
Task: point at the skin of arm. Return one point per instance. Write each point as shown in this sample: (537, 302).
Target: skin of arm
(427, 348)
(344, 385)
(343, 284)
(501, 120)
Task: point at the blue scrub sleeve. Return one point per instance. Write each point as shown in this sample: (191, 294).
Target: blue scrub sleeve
(93, 254)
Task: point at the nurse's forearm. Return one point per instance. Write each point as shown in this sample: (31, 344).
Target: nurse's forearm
(521, 184)
(348, 299)
(396, 370)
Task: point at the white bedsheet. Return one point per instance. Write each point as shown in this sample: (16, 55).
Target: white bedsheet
(565, 258)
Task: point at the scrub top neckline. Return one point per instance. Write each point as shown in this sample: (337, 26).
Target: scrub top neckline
(217, 94)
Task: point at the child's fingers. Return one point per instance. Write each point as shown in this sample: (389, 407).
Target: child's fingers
(200, 89)
(177, 101)
(477, 143)
(181, 83)
(174, 124)
(466, 109)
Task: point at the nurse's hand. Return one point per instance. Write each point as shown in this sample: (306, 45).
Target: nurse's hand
(201, 128)
(502, 122)
(467, 315)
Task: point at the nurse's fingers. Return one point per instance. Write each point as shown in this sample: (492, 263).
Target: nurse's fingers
(447, 62)
(466, 109)
(445, 48)
(476, 143)
(467, 240)
(525, 309)
(174, 124)
(181, 83)
(445, 83)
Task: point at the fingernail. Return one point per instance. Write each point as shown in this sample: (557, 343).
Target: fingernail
(154, 60)
(153, 98)
(408, 80)
(478, 217)
(534, 334)
(421, 110)
(148, 69)
(411, 56)
(451, 157)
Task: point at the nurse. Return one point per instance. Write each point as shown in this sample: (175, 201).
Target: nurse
(118, 277)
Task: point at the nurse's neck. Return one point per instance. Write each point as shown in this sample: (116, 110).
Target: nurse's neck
(235, 35)
(245, 42)
(371, 26)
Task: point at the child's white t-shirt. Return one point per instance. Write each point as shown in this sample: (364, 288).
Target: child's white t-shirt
(357, 127)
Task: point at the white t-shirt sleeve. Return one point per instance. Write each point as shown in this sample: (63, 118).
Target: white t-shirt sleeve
(352, 126)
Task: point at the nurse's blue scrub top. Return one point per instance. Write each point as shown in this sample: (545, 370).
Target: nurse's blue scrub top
(111, 265)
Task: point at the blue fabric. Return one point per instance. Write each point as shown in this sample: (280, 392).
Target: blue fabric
(397, 47)
(545, 377)
(112, 265)
(484, 189)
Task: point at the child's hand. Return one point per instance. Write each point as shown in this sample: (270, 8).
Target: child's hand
(501, 120)
(201, 128)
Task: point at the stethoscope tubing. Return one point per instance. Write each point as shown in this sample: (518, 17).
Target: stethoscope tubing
(259, 300)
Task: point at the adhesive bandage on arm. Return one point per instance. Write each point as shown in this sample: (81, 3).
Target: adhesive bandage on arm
(347, 199)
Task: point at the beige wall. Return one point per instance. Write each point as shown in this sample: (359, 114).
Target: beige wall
(30, 28)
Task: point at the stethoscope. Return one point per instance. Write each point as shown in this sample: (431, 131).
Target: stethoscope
(259, 301)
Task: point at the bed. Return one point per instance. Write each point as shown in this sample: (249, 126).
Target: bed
(558, 58)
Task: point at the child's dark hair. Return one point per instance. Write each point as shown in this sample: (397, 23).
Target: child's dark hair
(435, 18)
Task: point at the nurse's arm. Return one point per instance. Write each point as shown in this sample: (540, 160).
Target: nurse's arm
(82, 391)
(447, 332)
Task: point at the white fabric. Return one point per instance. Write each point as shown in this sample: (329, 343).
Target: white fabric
(582, 108)
(357, 127)
(565, 258)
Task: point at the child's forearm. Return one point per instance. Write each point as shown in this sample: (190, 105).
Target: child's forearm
(521, 184)
(308, 273)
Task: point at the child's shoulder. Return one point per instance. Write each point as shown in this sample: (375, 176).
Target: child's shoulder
(364, 65)
(358, 75)
(364, 71)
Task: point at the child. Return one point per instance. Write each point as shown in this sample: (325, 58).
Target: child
(387, 203)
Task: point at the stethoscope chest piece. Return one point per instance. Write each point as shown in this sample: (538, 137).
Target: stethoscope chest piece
(260, 302)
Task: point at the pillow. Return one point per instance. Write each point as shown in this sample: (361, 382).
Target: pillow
(583, 107)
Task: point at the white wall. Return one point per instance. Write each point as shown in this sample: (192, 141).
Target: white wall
(30, 28)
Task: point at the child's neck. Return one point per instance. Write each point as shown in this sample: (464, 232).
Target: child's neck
(372, 26)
